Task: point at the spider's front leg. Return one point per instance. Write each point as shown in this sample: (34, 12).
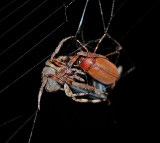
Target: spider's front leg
(50, 64)
(57, 61)
(59, 46)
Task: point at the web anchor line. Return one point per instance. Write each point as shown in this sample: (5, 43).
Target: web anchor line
(10, 121)
(81, 21)
(36, 64)
(31, 30)
(36, 113)
(8, 140)
(14, 62)
(34, 122)
(4, 7)
(22, 19)
(6, 87)
(14, 11)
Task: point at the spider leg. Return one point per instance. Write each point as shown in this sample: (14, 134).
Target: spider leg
(69, 93)
(87, 100)
(41, 90)
(57, 62)
(59, 46)
(50, 64)
(77, 77)
(87, 87)
(77, 71)
(62, 58)
(61, 43)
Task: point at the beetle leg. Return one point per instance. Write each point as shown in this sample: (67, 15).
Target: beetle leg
(113, 85)
(115, 52)
(88, 54)
(120, 70)
(119, 47)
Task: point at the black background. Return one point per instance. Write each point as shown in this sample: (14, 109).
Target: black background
(135, 25)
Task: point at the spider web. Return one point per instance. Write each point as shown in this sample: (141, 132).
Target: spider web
(31, 31)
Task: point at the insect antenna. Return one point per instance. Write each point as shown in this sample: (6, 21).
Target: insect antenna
(22, 19)
(14, 11)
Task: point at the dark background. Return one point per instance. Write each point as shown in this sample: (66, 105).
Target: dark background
(135, 26)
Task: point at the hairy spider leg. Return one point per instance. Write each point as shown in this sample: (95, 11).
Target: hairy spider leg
(57, 62)
(74, 58)
(89, 88)
(44, 83)
(59, 46)
(41, 90)
(69, 93)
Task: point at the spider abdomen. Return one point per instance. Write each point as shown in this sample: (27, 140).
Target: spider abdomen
(51, 85)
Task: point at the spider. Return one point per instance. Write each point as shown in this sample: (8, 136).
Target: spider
(56, 73)
(60, 72)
